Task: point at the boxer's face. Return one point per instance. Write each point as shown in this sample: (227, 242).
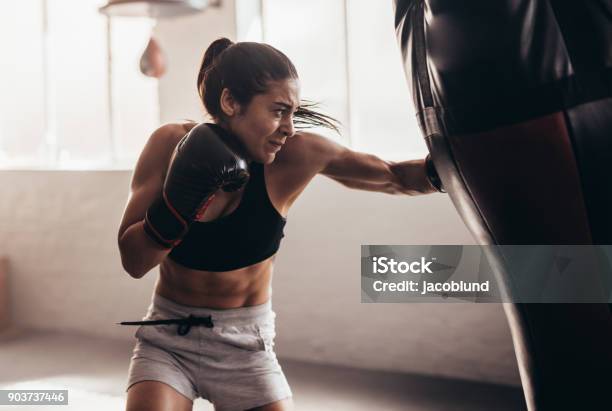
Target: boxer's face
(266, 122)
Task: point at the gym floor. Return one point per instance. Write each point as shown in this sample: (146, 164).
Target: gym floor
(94, 372)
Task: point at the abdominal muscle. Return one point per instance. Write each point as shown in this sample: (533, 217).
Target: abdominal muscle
(243, 287)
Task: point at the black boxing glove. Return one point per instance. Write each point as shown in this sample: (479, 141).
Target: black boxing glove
(201, 164)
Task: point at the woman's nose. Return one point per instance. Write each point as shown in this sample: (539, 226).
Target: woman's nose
(287, 128)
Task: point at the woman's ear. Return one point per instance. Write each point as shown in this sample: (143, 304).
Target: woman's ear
(228, 104)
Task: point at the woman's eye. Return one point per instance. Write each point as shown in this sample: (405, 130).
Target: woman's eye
(278, 113)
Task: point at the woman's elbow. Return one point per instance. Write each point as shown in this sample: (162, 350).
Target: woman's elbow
(133, 271)
(129, 264)
(131, 268)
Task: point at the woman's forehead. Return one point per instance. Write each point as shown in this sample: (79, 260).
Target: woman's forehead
(284, 91)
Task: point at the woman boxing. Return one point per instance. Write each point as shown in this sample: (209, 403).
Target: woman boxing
(208, 203)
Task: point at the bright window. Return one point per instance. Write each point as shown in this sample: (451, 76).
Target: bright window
(347, 56)
(65, 102)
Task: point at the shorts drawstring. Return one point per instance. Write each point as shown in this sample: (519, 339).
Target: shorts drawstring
(184, 324)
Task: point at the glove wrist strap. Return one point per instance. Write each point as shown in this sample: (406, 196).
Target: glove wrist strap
(164, 224)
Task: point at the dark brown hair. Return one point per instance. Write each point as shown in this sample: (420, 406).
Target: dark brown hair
(245, 69)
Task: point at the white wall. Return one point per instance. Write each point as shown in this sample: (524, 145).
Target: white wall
(59, 231)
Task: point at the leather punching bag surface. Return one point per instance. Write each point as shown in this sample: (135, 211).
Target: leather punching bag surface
(514, 98)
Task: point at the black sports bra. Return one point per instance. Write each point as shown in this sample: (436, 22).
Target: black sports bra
(249, 234)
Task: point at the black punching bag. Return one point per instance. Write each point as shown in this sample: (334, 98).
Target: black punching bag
(514, 99)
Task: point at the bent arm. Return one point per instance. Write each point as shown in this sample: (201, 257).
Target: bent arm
(139, 253)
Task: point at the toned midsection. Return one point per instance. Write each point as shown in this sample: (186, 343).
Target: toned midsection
(230, 289)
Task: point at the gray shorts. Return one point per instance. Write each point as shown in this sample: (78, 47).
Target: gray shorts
(232, 364)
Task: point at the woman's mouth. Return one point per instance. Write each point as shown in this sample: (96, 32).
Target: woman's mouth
(277, 145)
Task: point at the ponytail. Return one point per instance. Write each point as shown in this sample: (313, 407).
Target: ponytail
(210, 82)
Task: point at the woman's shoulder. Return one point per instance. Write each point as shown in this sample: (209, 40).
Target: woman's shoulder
(306, 146)
(161, 143)
(188, 125)
(171, 133)
(177, 129)
(299, 145)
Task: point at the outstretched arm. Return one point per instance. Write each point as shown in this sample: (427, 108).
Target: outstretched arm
(368, 172)
(403, 178)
